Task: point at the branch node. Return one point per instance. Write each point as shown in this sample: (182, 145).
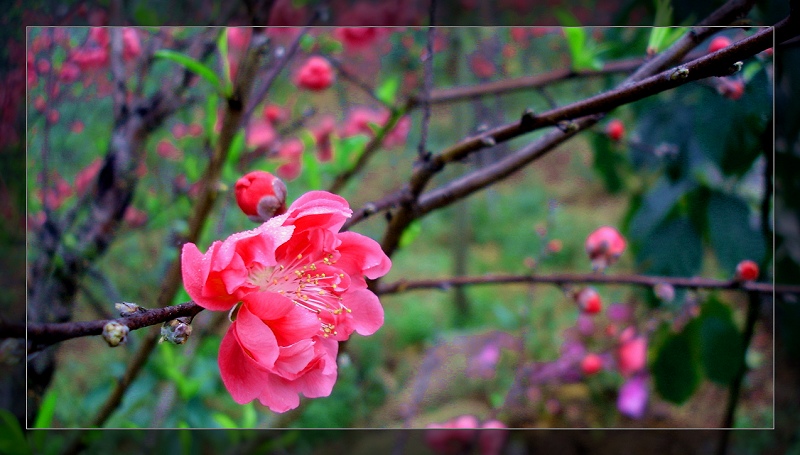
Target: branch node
(176, 331)
(115, 333)
(128, 309)
(488, 141)
(680, 73)
(526, 122)
(733, 69)
(567, 126)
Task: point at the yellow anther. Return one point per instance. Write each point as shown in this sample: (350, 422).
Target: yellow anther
(299, 256)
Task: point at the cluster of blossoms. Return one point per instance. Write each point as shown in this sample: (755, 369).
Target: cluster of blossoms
(460, 434)
(294, 287)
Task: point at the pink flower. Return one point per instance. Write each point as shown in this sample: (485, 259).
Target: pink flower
(91, 58)
(291, 152)
(69, 73)
(458, 436)
(86, 176)
(632, 398)
(355, 38)
(322, 136)
(301, 286)
(273, 352)
(132, 45)
(604, 246)
(167, 149)
(238, 42)
(632, 355)
(260, 134)
(316, 74)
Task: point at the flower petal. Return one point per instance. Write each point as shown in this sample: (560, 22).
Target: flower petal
(195, 269)
(242, 376)
(294, 359)
(288, 322)
(360, 255)
(318, 209)
(257, 337)
(279, 395)
(366, 311)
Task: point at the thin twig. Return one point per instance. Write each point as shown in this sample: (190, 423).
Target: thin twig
(44, 334)
(427, 86)
(588, 278)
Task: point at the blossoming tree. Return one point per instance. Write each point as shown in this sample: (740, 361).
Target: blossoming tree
(621, 168)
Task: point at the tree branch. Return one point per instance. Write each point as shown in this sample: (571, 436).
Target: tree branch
(588, 278)
(41, 335)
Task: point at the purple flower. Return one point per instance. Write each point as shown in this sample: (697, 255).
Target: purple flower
(632, 398)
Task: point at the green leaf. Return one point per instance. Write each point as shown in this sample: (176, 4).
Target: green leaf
(237, 147)
(145, 15)
(347, 149)
(676, 368)
(576, 39)
(211, 117)
(249, 416)
(721, 349)
(224, 421)
(658, 36)
(656, 204)
(732, 236)
(387, 91)
(311, 169)
(44, 419)
(410, 234)
(222, 45)
(608, 163)
(307, 43)
(13, 441)
(192, 65)
(673, 249)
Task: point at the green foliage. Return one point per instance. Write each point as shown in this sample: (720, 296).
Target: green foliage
(674, 248)
(720, 342)
(676, 367)
(732, 235)
(194, 66)
(13, 441)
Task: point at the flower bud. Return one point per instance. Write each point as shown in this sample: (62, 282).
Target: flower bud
(719, 43)
(604, 246)
(589, 301)
(127, 308)
(747, 270)
(591, 364)
(176, 331)
(665, 292)
(115, 333)
(632, 355)
(316, 74)
(261, 195)
(615, 130)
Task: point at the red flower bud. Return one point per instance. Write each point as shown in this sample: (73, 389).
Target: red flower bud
(746, 271)
(316, 74)
(615, 130)
(718, 43)
(261, 195)
(591, 364)
(604, 246)
(589, 301)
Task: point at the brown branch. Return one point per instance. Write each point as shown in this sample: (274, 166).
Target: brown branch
(46, 334)
(587, 278)
(462, 93)
(713, 65)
